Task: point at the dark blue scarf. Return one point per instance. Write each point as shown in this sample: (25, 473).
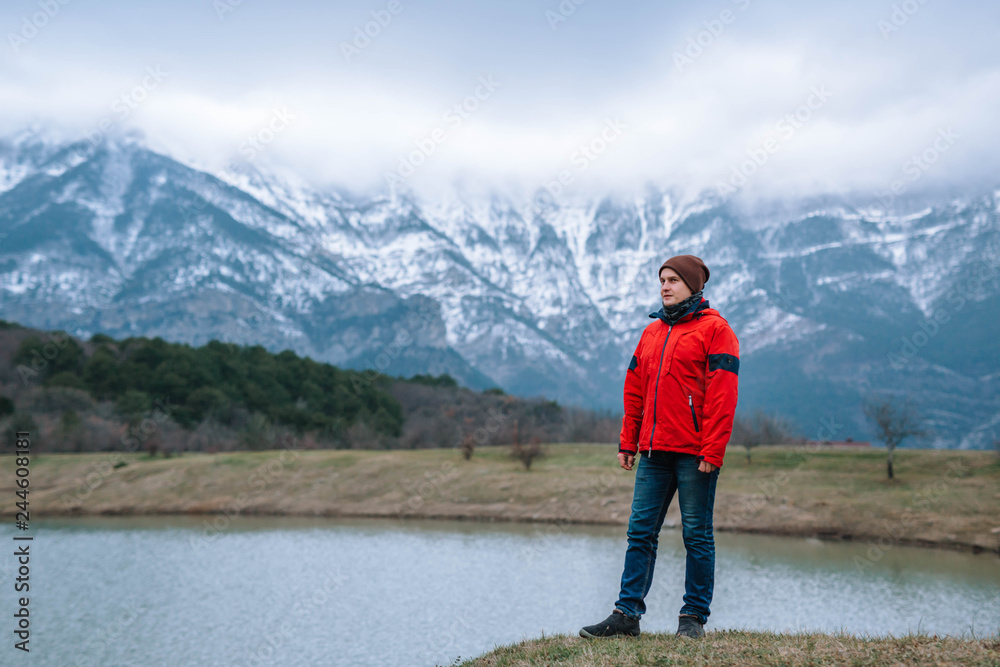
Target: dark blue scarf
(671, 314)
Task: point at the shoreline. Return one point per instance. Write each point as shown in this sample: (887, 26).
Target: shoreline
(819, 535)
(832, 495)
(527, 520)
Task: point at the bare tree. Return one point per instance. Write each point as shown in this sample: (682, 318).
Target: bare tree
(468, 446)
(893, 423)
(759, 429)
(525, 453)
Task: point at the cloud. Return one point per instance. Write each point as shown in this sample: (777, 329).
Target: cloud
(693, 124)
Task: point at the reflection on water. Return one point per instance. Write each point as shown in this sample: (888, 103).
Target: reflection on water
(295, 591)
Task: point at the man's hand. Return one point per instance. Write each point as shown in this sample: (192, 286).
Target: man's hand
(705, 466)
(626, 460)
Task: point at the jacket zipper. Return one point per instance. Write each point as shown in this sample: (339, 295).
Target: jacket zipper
(656, 391)
(693, 417)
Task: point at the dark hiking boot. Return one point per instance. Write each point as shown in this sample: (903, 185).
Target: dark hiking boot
(689, 626)
(615, 625)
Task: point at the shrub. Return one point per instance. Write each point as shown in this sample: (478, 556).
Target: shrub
(66, 379)
(70, 430)
(256, 435)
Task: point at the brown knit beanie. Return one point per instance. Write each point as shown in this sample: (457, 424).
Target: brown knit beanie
(691, 270)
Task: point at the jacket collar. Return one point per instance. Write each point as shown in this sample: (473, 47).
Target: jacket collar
(689, 313)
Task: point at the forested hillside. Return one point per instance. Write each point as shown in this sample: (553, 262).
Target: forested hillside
(106, 394)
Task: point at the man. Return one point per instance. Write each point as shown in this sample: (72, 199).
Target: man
(680, 398)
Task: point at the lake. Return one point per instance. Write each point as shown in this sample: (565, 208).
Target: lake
(296, 591)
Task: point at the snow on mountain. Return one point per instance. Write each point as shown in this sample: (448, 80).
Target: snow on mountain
(536, 296)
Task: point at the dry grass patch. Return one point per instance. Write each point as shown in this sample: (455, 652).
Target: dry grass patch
(739, 648)
(945, 498)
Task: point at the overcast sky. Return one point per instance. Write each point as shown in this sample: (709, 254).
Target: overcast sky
(677, 94)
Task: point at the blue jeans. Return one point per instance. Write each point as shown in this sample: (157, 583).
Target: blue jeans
(656, 480)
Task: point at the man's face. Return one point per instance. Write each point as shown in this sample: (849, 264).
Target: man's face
(672, 288)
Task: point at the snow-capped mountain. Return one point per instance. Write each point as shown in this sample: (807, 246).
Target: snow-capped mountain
(831, 299)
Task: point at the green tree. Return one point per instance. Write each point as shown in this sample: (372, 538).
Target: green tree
(168, 383)
(203, 401)
(48, 357)
(443, 380)
(132, 405)
(385, 422)
(102, 375)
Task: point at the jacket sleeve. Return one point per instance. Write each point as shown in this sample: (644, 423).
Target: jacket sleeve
(632, 421)
(721, 392)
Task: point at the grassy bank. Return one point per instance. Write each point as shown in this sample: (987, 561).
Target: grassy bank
(730, 647)
(940, 498)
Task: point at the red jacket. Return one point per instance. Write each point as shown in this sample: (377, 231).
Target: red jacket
(681, 387)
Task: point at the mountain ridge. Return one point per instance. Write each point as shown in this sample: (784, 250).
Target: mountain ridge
(536, 296)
